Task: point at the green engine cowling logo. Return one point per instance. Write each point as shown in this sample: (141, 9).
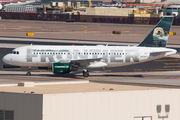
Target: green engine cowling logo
(61, 68)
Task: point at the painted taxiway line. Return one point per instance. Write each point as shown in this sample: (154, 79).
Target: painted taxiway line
(19, 73)
(64, 41)
(140, 83)
(48, 83)
(6, 45)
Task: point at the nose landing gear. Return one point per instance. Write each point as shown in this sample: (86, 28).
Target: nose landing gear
(85, 73)
(29, 72)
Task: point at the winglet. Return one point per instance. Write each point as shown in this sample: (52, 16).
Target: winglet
(158, 37)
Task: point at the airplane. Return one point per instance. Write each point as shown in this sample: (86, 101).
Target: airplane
(20, 3)
(64, 59)
(4, 3)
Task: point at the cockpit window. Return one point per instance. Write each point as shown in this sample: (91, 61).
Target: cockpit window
(14, 52)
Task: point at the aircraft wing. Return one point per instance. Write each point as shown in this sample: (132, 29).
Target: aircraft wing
(84, 62)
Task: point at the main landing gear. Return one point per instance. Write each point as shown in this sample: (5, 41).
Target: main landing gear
(29, 72)
(85, 73)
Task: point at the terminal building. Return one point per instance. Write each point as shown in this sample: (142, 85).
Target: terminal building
(87, 100)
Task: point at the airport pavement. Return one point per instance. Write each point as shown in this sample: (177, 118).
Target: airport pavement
(130, 33)
(10, 42)
(14, 42)
(158, 79)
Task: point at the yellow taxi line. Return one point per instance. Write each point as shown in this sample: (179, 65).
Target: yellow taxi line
(168, 60)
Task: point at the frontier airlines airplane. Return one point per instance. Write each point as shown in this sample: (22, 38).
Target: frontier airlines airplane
(64, 59)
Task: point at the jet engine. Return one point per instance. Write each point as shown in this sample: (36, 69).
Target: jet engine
(60, 68)
(1, 6)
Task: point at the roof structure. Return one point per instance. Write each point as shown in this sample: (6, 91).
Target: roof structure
(74, 88)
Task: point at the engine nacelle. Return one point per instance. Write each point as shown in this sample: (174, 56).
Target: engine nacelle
(1, 6)
(60, 68)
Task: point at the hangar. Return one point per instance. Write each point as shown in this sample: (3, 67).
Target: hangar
(86, 100)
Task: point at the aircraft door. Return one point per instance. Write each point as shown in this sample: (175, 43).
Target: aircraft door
(32, 56)
(29, 55)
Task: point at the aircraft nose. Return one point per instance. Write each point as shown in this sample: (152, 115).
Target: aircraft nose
(6, 59)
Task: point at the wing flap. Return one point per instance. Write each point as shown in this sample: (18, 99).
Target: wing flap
(84, 62)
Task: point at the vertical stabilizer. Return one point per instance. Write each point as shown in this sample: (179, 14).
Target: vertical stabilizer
(158, 37)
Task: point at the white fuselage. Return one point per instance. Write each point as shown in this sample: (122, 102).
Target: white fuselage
(44, 56)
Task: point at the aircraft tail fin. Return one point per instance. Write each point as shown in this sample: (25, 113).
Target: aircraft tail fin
(159, 35)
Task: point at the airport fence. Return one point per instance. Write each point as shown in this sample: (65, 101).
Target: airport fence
(84, 18)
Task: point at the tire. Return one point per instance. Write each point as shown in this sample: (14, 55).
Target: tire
(85, 74)
(28, 73)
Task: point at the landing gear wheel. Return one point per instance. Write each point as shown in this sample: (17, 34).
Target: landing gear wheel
(85, 73)
(28, 73)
